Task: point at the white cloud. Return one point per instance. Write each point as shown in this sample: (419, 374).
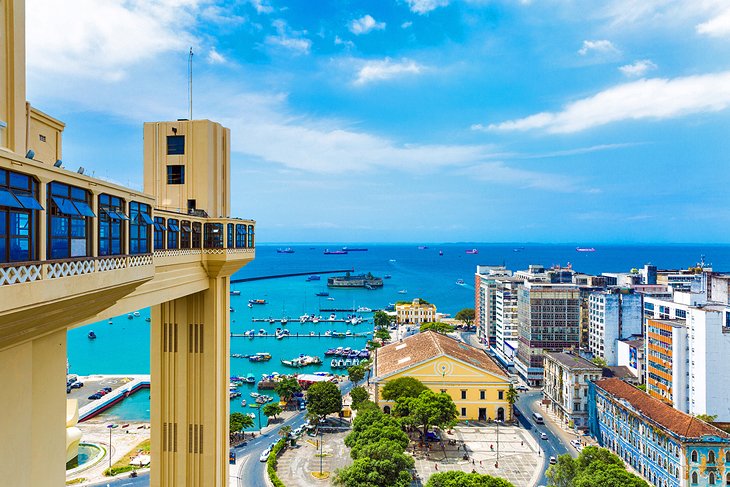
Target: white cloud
(341, 42)
(424, 6)
(717, 26)
(104, 39)
(386, 69)
(262, 7)
(288, 39)
(499, 172)
(214, 57)
(365, 24)
(405, 25)
(637, 69)
(602, 46)
(654, 98)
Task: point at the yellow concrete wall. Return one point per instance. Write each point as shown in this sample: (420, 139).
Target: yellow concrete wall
(44, 135)
(206, 161)
(453, 376)
(12, 75)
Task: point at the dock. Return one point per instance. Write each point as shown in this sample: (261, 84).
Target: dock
(277, 321)
(303, 335)
(133, 384)
(291, 274)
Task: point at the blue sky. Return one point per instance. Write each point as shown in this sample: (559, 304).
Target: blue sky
(414, 120)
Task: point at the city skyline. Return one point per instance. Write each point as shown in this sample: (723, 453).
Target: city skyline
(417, 120)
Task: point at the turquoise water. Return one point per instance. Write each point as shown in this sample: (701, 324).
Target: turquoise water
(123, 346)
(136, 407)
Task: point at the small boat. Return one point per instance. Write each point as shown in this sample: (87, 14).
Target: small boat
(110, 321)
(353, 249)
(403, 291)
(272, 321)
(312, 334)
(254, 394)
(136, 314)
(249, 333)
(303, 318)
(148, 319)
(315, 320)
(260, 357)
(460, 282)
(314, 277)
(243, 403)
(333, 363)
(441, 252)
(332, 317)
(235, 293)
(322, 293)
(250, 379)
(364, 309)
(472, 251)
(364, 353)
(328, 333)
(330, 351)
(251, 415)
(262, 332)
(355, 361)
(330, 299)
(130, 317)
(257, 301)
(230, 308)
(422, 247)
(91, 335)
(391, 260)
(348, 333)
(387, 276)
(341, 363)
(585, 249)
(334, 252)
(287, 250)
(284, 321)
(348, 363)
(250, 305)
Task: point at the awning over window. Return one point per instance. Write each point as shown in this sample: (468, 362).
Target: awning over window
(66, 206)
(186, 228)
(84, 209)
(172, 226)
(121, 215)
(196, 229)
(8, 199)
(28, 201)
(159, 227)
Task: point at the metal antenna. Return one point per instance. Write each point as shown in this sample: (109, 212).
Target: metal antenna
(190, 82)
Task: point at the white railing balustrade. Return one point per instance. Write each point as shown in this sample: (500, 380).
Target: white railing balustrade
(54, 270)
(20, 273)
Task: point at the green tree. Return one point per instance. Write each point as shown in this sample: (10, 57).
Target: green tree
(599, 361)
(358, 395)
(457, 478)
(599, 474)
(402, 387)
(707, 418)
(240, 421)
(437, 326)
(512, 395)
(382, 333)
(356, 373)
(428, 409)
(562, 473)
(466, 315)
(372, 424)
(272, 409)
(284, 431)
(381, 319)
(594, 467)
(368, 472)
(286, 388)
(324, 398)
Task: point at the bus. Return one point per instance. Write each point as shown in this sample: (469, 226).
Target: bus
(538, 418)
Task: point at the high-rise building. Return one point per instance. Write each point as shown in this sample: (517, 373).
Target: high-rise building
(613, 315)
(548, 320)
(485, 312)
(506, 319)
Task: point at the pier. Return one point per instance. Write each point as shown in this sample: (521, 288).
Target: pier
(277, 321)
(291, 274)
(303, 335)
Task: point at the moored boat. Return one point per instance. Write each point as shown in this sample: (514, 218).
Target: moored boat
(91, 335)
(472, 251)
(257, 301)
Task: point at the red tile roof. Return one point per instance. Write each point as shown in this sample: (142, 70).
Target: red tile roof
(672, 419)
(423, 346)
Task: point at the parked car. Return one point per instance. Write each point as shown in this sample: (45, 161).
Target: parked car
(431, 436)
(94, 396)
(543, 436)
(68, 389)
(553, 461)
(77, 385)
(102, 392)
(108, 389)
(522, 388)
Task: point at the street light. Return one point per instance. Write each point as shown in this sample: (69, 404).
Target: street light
(110, 426)
(321, 452)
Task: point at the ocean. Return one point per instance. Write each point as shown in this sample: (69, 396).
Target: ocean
(122, 347)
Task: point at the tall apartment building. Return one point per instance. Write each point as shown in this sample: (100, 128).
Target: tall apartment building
(566, 385)
(485, 312)
(613, 315)
(506, 319)
(548, 320)
(688, 342)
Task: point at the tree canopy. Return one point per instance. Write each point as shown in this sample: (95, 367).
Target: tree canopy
(437, 326)
(356, 373)
(594, 467)
(402, 387)
(599, 361)
(457, 478)
(381, 319)
(324, 398)
(240, 421)
(428, 409)
(466, 315)
(367, 472)
(272, 409)
(287, 387)
(358, 395)
(383, 334)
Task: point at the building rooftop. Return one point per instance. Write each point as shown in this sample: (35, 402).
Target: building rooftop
(423, 346)
(572, 361)
(618, 371)
(665, 415)
(675, 323)
(634, 342)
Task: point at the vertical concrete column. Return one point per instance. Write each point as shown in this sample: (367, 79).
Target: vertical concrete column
(190, 374)
(33, 422)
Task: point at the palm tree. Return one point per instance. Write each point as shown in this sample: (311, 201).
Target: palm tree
(284, 431)
(512, 396)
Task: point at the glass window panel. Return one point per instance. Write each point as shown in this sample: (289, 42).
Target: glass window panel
(3, 224)
(78, 247)
(19, 249)
(20, 181)
(116, 230)
(104, 247)
(116, 247)
(84, 208)
(59, 227)
(59, 248)
(8, 199)
(59, 189)
(65, 206)
(78, 194)
(19, 224)
(78, 227)
(3, 250)
(134, 247)
(28, 201)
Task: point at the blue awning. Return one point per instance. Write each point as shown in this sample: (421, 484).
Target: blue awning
(28, 201)
(8, 199)
(172, 226)
(83, 208)
(159, 227)
(146, 219)
(65, 206)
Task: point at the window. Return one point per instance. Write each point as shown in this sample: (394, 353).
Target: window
(111, 224)
(727, 457)
(482, 395)
(711, 457)
(175, 145)
(230, 241)
(176, 174)
(463, 395)
(18, 217)
(463, 411)
(694, 455)
(727, 479)
(712, 478)
(173, 232)
(185, 231)
(213, 235)
(139, 228)
(42, 137)
(500, 395)
(69, 221)
(250, 237)
(197, 228)
(159, 233)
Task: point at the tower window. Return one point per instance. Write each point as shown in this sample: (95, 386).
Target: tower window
(175, 145)
(176, 174)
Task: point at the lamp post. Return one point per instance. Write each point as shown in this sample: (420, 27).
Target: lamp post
(321, 452)
(258, 410)
(110, 426)
(497, 464)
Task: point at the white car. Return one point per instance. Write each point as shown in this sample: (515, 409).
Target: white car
(553, 460)
(265, 455)
(543, 436)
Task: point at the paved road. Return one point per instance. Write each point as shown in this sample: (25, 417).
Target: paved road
(252, 471)
(555, 445)
(124, 480)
